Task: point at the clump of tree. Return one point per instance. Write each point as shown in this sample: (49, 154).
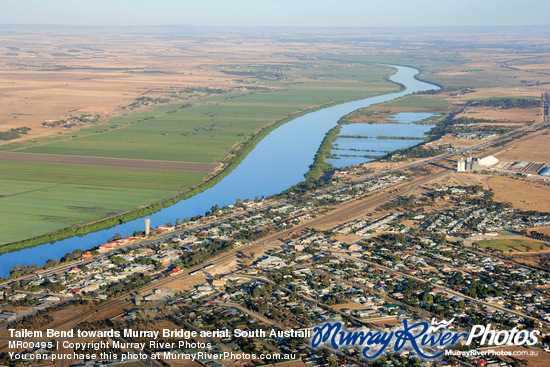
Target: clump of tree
(115, 237)
(203, 253)
(94, 325)
(33, 322)
(409, 202)
(21, 270)
(73, 121)
(147, 101)
(334, 299)
(134, 281)
(417, 151)
(205, 90)
(261, 74)
(14, 133)
(458, 90)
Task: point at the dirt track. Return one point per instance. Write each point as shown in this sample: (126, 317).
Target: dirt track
(108, 162)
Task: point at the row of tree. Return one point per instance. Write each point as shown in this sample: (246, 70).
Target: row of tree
(536, 235)
(506, 103)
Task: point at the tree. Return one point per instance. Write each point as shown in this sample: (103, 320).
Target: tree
(116, 236)
(428, 298)
(441, 238)
(400, 238)
(52, 263)
(256, 292)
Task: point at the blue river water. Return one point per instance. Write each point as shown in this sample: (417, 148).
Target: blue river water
(358, 143)
(278, 162)
(373, 130)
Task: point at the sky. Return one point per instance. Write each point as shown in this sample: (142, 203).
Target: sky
(310, 13)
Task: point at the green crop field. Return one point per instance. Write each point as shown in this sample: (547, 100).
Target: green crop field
(514, 245)
(98, 176)
(33, 208)
(41, 198)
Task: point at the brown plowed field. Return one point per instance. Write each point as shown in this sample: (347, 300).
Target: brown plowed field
(108, 162)
(523, 195)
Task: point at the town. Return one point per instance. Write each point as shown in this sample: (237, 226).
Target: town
(415, 250)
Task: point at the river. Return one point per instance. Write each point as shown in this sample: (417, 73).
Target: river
(278, 162)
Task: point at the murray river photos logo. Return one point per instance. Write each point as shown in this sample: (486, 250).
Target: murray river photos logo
(427, 340)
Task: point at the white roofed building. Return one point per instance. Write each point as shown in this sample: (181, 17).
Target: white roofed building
(488, 161)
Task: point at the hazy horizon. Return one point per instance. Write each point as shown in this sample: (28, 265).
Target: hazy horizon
(282, 13)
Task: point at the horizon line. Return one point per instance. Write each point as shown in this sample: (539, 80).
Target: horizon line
(268, 26)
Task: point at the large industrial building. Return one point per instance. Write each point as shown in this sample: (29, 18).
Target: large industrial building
(470, 164)
(473, 164)
(529, 168)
